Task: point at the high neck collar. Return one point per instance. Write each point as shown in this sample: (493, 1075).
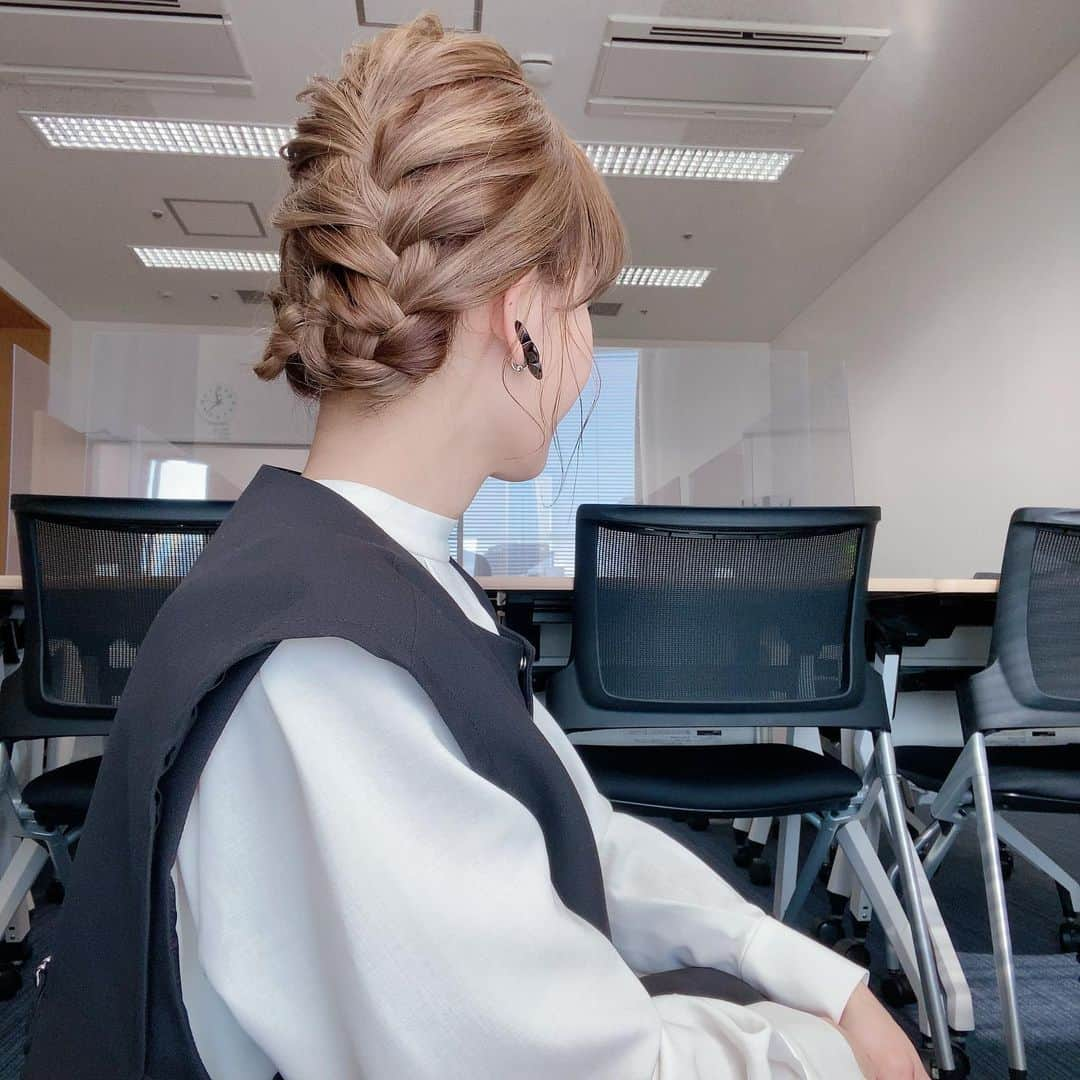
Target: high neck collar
(421, 532)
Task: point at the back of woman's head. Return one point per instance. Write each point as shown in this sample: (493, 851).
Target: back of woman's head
(426, 180)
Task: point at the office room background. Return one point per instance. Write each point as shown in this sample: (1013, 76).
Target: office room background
(853, 280)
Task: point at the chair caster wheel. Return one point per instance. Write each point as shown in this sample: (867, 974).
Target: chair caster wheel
(54, 892)
(699, 822)
(961, 1061)
(897, 991)
(14, 952)
(1069, 936)
(10, 982)
(740, 836)
(853, 949)
(760, 872)
(1008, 863)
(829, 931)
(747, 852)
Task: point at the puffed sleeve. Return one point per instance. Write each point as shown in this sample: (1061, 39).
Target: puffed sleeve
(363, 904)
(670, 909)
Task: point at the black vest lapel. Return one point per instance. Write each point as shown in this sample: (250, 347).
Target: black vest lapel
(292, 560)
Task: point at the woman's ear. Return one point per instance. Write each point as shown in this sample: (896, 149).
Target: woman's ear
(507, 309)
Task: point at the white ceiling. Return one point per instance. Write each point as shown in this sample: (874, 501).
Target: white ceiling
(950, 75)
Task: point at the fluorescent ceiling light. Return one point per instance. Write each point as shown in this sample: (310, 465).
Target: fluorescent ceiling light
(140, 135)
(170, 258)
(208, 138)
(687, 277)
(688, 162)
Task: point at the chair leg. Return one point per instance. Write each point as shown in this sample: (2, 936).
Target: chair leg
(56, 843)
(19, 874)
(996, 909)
(941, 848)
(787, 862)
(819, 852)
(933, 999)
(760, 828)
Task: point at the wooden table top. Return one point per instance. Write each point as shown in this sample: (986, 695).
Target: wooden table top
(877, 585)
(13, 583)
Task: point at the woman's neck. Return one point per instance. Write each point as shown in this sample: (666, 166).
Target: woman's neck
(401, 451)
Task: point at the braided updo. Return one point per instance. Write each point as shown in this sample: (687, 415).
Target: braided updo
(427, 179)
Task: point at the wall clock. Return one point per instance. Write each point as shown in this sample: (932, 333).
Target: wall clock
(218, 404)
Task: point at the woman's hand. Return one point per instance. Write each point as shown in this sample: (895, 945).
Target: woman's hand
(882, 1050)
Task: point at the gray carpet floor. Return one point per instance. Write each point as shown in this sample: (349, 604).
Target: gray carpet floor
(1048, 982)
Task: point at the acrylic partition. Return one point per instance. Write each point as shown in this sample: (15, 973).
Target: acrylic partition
(741, 425)
(180, 414)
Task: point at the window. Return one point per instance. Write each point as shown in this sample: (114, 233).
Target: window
(176, 478)
(528, 528)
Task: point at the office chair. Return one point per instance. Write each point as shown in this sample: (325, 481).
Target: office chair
(744, 618)
(1030, 689)
(95, 572)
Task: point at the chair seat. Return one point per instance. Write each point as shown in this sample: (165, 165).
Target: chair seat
(1045, 779)
(62, 796)
(766, 778)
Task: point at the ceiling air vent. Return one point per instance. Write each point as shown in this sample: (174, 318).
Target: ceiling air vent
(253, 296)
(604, 308)
(693, 68)
(109, 5)
(150, 45)
(749, 38)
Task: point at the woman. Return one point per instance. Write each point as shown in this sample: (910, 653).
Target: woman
(382, 865)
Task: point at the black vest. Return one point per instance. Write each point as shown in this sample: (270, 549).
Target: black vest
(292, 560)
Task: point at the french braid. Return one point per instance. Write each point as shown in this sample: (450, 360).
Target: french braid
(426, 179)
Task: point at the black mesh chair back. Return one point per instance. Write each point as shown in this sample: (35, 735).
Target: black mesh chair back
(1033, 678)
(95, 573)
(726, 612)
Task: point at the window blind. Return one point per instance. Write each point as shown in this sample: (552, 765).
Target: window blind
(528, 527)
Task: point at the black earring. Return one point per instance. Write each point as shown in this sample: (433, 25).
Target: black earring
(529, 351)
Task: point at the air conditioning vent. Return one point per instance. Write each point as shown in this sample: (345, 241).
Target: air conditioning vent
(147, 7)
(183, 45)
(253, 296)
(764, 72)
(758, 39)
(605, 308)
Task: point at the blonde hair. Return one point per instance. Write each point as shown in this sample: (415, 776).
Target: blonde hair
(427, 179)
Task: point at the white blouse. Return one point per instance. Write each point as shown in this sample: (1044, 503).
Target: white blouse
(353, 901)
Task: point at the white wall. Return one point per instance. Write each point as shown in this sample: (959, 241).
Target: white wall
(960, 335)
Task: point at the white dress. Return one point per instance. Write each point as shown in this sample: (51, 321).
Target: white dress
(355, 902)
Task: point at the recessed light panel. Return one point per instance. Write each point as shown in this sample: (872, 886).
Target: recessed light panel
(686, 277)
(152, 136)
(688, 162)
(169, 258)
